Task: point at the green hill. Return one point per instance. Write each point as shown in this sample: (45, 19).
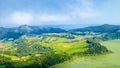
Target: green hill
(46, 50)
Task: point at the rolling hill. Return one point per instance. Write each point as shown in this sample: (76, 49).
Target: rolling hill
(106, 28)
(15, 33)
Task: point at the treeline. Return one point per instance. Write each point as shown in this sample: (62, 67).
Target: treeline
(106, 37)
(60, 35)
(44, 61)
(111, 36)
(95, 48)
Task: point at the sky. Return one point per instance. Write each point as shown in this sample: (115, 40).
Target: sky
(57, 12)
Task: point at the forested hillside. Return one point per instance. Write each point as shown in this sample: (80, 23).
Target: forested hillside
(15, 33)
(106, 28)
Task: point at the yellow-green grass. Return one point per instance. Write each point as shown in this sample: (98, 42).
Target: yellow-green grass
(101, 61)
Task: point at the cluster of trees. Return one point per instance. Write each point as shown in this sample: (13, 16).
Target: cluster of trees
(26, 47)
(44, 61)
(60, 35)
(110, 36)
(95, 48)
(105, 37)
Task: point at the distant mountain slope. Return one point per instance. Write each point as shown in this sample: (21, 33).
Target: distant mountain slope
(106, 28)
(16, 32)
(6, 33)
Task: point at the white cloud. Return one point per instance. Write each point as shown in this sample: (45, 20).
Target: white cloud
(81, 10)
(53, 18)
(86, 3)
(21, 18)
(85, 15)
(84, 9)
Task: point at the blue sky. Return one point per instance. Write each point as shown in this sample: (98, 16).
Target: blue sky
(49, 12)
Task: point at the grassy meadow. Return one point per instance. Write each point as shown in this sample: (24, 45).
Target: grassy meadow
(102, 61)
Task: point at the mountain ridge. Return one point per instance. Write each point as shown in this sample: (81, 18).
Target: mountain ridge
(17, 32)
(101, 28)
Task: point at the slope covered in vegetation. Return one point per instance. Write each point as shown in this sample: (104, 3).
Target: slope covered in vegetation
(45, 50)
(17, 32)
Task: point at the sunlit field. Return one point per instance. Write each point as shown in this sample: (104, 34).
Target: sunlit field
(103, 61)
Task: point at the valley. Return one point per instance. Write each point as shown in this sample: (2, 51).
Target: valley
(45, 47)
(59, 34)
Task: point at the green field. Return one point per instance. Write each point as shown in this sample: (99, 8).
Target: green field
(103, 61)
